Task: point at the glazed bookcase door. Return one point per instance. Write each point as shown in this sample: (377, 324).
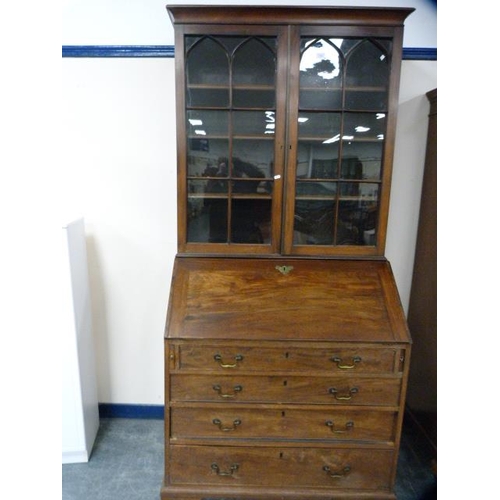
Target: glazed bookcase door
(341, 123)
(230, 139)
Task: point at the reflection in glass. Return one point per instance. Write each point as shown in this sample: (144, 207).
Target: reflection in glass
(363, 142)
(362, 160)
(358, 210)
(320, 63)
(314, 213)
(207, 187)
(314, 222)
(207, 220)
(250, 177)
(320, 74)
(207, 133)
(251, 221)
(318, 146)
(260, 153)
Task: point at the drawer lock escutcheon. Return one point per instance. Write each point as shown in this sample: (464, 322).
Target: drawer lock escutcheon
(348, 426)
(219, 472)
(224, 428)
(337, 474)
(340, 366)
(344, 397)
(284, 269)
(221, 362)
(218, 389)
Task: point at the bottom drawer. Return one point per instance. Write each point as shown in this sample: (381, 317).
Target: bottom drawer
(368, 469)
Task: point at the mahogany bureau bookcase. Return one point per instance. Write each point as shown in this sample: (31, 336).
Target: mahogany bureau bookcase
(286, 347)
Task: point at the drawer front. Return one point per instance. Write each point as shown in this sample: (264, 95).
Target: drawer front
(274, 467)
(273, 359)
(274, 389)
(234, 423)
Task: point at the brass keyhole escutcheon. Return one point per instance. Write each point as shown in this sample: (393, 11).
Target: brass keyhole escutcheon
(284, 269)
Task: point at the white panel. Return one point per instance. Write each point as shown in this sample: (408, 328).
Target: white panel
(80, 414)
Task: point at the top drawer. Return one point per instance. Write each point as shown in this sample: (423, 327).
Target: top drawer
(228, 358)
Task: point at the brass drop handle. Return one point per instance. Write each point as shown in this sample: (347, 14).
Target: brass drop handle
(237, 388)
(350, 393)
(339, 474)
(348, 426)
(221, 426)
(219, 359)
(340, 366)
(217, 470)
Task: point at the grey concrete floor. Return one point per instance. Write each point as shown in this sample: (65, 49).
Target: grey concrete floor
(127, 464)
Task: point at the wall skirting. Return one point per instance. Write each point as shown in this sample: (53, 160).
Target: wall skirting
(113, 410)
(409, 53)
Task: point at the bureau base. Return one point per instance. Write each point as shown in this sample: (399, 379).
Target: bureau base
(204, 493)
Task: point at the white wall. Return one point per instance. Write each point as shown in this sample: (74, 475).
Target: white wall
(120, 146)
(118, 140)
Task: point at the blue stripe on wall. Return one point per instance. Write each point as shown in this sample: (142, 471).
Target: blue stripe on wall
(111, 410)
(409, 53)
(118, 51)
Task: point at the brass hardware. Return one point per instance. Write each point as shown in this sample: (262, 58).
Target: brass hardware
(219, 359)
(334, 391)
(217, 470)
(236, 389)
(355, 360)
(219, 424)
(284, 269)
(337, 475)
(348, 426)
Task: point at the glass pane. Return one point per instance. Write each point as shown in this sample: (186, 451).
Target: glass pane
(366, 100)
(207, 188)
(202, 97)
(207, 73)
(367, 77)
(323, 190)
(314, 212)
(314, 222)
(255, 62)
(361, 160)
(250, 175)
(318, 147)
(320, 74)
(207, 124)
(358, 209)
(207, 62)
(365, 126)
(208, 141)
(362, 145)
(320, 63)
(207, 220)
(254, 98)
(367, 65)
(259, 153)
(254, 123)
(254, 72)
(251, 221)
